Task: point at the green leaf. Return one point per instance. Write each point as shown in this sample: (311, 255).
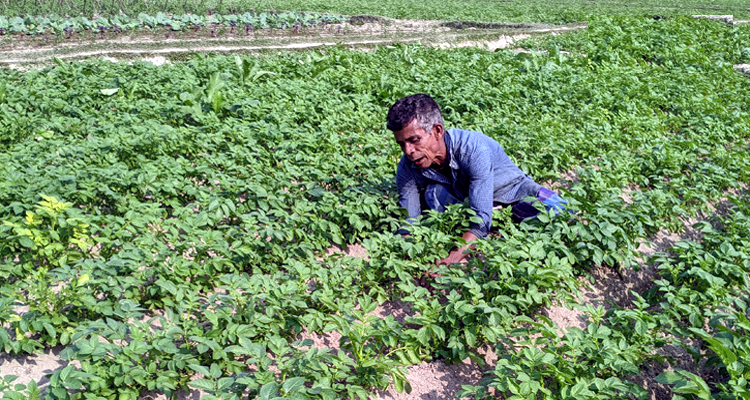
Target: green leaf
(215, 371)
(423, 335)
(669, 378)
(202, 384)
(293, 384)
(26, 242)
(399, 384)
(268, 391)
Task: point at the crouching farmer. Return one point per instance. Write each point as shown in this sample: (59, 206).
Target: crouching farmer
(442, 167)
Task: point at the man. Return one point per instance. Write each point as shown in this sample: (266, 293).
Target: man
(442, 167)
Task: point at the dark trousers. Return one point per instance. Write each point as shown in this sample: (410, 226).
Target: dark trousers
(437, 196)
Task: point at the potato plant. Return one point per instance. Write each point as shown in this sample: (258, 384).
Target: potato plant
(172, 227)
(244, 22)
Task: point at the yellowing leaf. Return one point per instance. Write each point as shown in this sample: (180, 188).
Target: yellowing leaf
(83, 279)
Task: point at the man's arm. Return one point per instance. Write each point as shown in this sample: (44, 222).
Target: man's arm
(408, 193)
(481, 186)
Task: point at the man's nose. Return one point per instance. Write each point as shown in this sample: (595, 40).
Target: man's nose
(408, 149)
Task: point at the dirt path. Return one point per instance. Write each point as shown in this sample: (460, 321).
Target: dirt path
(32, 52)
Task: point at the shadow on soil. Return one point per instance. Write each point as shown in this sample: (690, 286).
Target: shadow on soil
(37, 367)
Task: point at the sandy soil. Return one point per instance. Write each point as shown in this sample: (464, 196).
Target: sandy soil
(34, 367)
(726, 18)
(436, 380)
(24, 52)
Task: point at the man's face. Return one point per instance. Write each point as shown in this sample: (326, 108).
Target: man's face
(420, 147)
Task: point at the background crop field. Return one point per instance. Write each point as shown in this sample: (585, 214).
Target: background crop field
(174, 226)
(450, 10)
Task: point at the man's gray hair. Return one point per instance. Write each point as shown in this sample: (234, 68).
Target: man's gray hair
(417, 106)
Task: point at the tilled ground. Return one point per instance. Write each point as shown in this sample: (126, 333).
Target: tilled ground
(21, 51)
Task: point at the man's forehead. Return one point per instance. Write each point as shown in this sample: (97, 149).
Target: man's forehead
(413, 124)
(409, 130)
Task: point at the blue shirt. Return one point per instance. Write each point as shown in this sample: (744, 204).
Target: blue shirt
(479, 170)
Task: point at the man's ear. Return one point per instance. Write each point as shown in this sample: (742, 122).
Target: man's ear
(438, 130)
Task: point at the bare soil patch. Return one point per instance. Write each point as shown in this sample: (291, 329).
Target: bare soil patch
(353, 250)
(565, 180)
(435, 380)
(327, 340)
(725, 18)
(35, 367)
(23, 51)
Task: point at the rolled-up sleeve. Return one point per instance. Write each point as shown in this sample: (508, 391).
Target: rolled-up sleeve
(408, 191)
(481, 183)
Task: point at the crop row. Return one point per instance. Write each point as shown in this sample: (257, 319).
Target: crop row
(58, 25)
(466, 10)
(169, 225)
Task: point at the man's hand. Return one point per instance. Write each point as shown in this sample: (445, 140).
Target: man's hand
(456, 255)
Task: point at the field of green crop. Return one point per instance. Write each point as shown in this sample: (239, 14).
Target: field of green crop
(464, 10)
(168, 226)
(67, 26)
